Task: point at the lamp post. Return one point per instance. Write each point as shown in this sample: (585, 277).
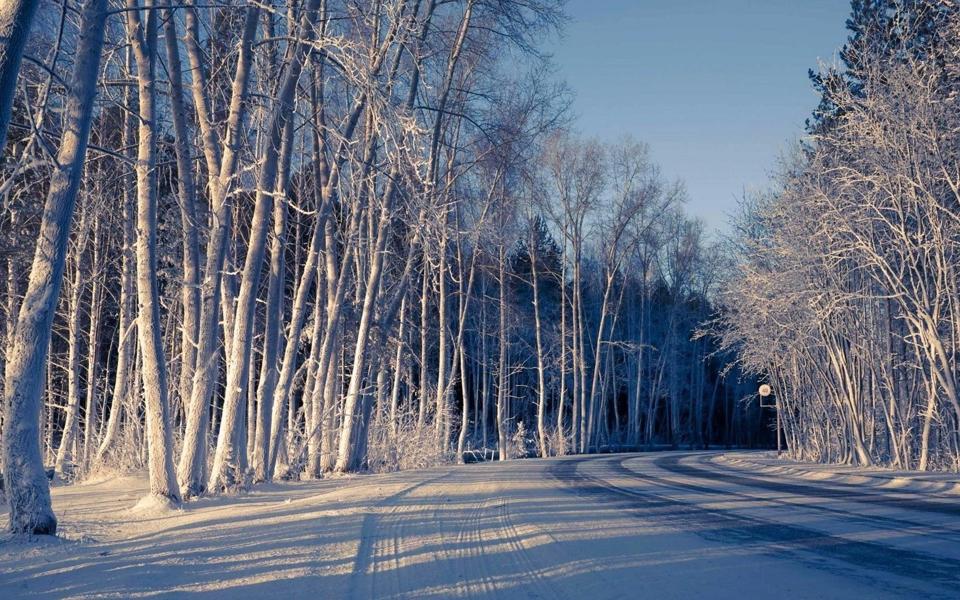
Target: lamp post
(765, 391)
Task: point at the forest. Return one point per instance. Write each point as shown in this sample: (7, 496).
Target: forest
(844, 288)
(284, 240)
(255, 241)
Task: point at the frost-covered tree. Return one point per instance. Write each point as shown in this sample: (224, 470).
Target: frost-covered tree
(26, 362)
(844, 292)
(341, 235)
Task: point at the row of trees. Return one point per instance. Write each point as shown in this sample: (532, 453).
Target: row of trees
(845, 294)
(331, 235)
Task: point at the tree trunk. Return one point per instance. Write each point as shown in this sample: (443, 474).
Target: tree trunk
(397, 369)
(346, 448)
(26, 483)
(187, 191)
(126, 347)
(71, 418)
(16, 17)
(422, 392)
(93, 344)
(193, 459)
(222, 474)
(163, 481)
(267, 403)
(503, 376)
(541, 378)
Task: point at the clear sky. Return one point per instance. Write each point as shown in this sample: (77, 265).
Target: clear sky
(717, 88)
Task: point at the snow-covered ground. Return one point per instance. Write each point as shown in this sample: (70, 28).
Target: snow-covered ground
(660, 525)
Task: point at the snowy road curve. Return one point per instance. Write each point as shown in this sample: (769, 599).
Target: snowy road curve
(659, 525)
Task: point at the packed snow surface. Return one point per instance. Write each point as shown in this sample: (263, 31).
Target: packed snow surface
(659, 525)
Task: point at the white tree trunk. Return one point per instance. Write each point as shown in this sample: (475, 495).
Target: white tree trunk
(187, 191)
(297, 320)
(541, 379)
(192, 467)
(503, 377)
(224, 462)
(91, 416)
(163, 481)
(26, 483)
(267, 403)
(71, 417)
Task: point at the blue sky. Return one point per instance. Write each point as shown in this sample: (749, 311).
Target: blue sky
(717, 88)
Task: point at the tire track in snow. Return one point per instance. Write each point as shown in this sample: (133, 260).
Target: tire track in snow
(469, 549)
(814, 548)
(388, 533)
(853, 494)
(674, 465)
(479, 571)
(372, 553)
(543, 584)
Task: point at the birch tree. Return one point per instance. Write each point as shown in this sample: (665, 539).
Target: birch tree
(24, 477)
(143, 37)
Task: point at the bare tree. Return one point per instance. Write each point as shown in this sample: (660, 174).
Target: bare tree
(143, 36)
(30, 510)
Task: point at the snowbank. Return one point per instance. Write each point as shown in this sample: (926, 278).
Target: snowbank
(886, 479)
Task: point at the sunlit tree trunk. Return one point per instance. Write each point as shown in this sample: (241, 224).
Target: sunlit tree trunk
(221, 168)
(91, 414)
(223, 472)
(163, 481)
(27, 488)
(68, 438)
(187, 192)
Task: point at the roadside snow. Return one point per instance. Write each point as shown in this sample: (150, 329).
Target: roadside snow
(890, 479)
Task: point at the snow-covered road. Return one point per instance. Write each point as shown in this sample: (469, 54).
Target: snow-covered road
(659, 525)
